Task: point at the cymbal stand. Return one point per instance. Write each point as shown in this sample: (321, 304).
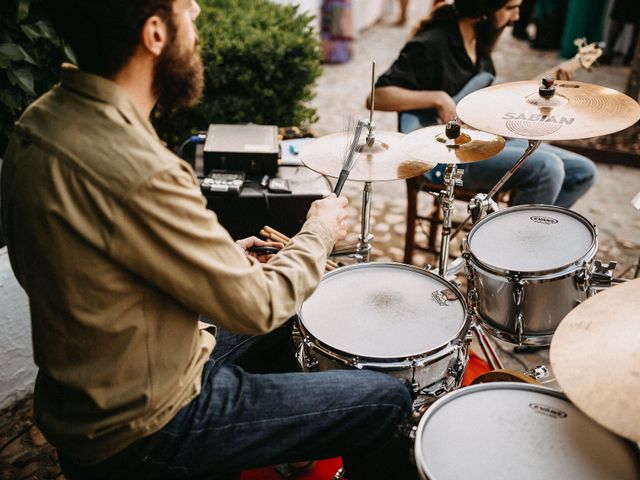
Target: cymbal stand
(481, 203)
(452, 178)
(362, 251)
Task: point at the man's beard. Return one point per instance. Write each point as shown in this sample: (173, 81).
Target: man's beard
(487, 34)
(178, 79)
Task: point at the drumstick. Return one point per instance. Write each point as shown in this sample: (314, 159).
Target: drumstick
(274, 235)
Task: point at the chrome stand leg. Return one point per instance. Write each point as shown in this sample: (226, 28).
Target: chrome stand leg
(487, 349)
(363, 249)
(452, 178)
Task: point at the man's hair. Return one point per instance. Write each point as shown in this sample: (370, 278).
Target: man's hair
(103, 34)
(446, 13)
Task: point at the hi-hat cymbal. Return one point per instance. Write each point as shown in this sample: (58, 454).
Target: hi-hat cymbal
(595, 356)
(382, 161)
(577, 110)
(430, 144)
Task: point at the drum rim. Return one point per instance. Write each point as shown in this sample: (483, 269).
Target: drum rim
(424, 471)
(568, 268)
(382, 359)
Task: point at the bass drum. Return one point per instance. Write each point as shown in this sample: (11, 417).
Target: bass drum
(388, 317)
(506, 431)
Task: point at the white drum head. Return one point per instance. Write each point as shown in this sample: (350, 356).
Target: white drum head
(532, 238)
(506, 431)
(382, 310)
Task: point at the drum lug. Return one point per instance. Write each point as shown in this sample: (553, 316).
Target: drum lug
(310, 361)
(583, 279)
(518, 288)
(519, 326)
(538, 373)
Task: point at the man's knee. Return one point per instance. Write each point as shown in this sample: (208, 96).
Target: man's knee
(384, 389)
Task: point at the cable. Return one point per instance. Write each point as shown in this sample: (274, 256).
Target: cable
(196, 139)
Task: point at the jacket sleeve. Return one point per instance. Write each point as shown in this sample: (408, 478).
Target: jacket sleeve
(164, 234)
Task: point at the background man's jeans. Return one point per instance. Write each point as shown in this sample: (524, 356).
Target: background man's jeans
(245, 418)
(551, 175)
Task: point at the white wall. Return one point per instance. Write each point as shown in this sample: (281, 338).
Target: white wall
(17, 370)
(365, 12)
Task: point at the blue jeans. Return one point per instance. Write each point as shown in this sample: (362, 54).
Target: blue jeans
(551, 175)
(246, 418)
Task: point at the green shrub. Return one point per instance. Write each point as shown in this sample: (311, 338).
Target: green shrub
(30, 57)
(261, 61)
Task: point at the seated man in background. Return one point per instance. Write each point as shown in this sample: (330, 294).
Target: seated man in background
(119, 257)
(449, 48)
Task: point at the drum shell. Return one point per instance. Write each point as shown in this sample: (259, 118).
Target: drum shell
(545, 302)
(433, 375)
(432, 372)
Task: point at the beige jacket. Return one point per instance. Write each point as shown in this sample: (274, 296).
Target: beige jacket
(108, 234)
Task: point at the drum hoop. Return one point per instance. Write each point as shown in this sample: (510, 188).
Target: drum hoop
(438, 404)
(569, 268)
(409, 359)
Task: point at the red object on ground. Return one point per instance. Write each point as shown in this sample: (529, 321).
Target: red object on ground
(326, 469)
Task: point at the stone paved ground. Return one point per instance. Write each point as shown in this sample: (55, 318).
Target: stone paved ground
(24, 454)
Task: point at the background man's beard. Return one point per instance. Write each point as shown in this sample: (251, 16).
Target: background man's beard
(178, 79)
(487, 34)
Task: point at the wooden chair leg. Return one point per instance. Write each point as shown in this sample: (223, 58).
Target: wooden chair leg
(412, 212)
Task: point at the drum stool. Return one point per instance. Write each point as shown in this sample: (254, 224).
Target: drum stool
(414, 186)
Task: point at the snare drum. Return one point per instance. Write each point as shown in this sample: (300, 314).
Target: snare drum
(528, 267)
(506, 431)
(388, 317)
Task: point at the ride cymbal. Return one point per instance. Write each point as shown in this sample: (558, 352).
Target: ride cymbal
(382, 161)
(595, 356)
(431, 144)
(576, 110)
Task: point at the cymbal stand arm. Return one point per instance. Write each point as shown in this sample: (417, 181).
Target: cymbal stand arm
(479, 203)
(452, 178)
(369, 123)
(533, 146)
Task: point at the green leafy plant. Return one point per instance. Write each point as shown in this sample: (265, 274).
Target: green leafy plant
(261, 61)
(30, 57)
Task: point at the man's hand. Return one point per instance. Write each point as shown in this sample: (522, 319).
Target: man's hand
(446, 107)
(562, 74)
(333, 211)
(246, 243)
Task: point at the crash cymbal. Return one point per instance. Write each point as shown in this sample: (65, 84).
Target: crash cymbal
(595, 355)
(385, 160)
(430, 144)
(577, 110)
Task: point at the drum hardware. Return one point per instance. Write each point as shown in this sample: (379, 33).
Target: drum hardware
(472, 301)
(483, 204)
(454, 146)
(539, 373)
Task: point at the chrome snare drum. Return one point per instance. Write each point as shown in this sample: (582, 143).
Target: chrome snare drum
(506, 431)
(389, 317)
(528, 267)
